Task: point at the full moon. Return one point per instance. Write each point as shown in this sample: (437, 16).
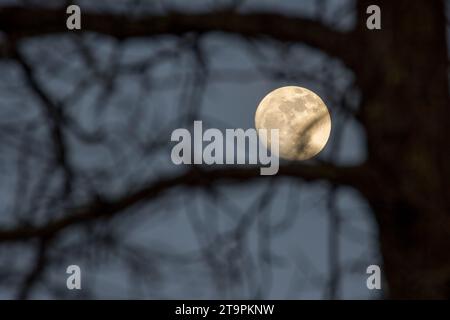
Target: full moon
(302, 118)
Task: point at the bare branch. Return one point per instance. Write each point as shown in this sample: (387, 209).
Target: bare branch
(20, 22)
(195, 177)
(36, 270)
(54, 115)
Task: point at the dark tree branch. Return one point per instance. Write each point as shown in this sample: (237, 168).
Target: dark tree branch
(19, 22)
(36, 270)
(195, 177)
(334, 247)
(55, 117)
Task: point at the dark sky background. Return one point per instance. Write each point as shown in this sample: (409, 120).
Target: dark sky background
(237, 82)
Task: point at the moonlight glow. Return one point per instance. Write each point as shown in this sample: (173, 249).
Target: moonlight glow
(302, 118)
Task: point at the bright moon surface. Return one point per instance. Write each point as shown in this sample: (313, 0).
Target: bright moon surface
(302, 118)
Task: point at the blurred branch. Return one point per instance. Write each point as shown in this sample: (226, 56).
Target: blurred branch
(195, 177)
(36, 270)
(334, 247)
(54, 114)
(19, 22)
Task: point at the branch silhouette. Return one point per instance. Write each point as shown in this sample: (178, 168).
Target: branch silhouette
(196, 177)
(20, 22)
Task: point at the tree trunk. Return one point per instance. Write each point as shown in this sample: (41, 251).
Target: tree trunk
(405, 108)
